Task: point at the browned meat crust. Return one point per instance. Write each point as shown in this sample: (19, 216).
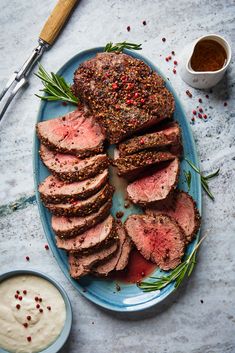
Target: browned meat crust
(80, 265)
(69, 227)
(54, 190)
(71, 168)
(83, 207)
(124, 94)
(131, 166)
(167, 139)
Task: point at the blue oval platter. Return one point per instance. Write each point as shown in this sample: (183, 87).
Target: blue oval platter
(103, 292)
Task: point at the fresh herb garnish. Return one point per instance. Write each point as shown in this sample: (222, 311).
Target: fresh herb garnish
(177, 275)
(55, 87)
(204, 178)
(119, 47)
(188, 178)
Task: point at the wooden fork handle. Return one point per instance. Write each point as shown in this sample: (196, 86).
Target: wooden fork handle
(56, 20)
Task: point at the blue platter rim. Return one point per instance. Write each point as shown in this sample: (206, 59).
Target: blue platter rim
(47, 230)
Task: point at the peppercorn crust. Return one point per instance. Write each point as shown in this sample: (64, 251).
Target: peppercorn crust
(169, 138)
(124, 94)
(131, 166)
(80, 169)
(88, 222)
(84, 207)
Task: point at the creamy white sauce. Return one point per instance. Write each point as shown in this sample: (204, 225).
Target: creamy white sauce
(43, 327)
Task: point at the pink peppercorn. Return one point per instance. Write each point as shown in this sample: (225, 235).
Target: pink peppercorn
(29, 338)
(175, 62)
(205, 116)
(199, 115)
(174, 71)
(225, 104)
(144, 23)
(128, 28)
(163, 39)
(200, 110)
(27, 258)
(194, 112)
(200, 100)
(207, 96)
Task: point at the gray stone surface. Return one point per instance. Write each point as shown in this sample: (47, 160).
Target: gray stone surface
(182, 324)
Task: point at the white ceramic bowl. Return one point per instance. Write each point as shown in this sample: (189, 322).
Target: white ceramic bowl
(62, 338)
(202, 80)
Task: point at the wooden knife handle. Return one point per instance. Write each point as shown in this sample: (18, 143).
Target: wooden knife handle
(56, 20)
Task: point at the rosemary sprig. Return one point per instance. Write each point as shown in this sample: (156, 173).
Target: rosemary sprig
(188, 178)
(55, 87)
(204, 178)
(177, 275)
(119, 47)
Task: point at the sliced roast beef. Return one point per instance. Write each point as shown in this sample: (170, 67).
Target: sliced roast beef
(81, 264)
(126, 246)
(183, 209)
(75, 133)
(82, 207)
(92, 238)
(168, 138)
(71, 168)
(132, 166)
(159, 239)
(68, 227)
(124, 94)
(155, 185)
(120, 259)
(54, 190)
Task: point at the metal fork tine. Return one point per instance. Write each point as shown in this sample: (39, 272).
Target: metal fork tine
(11, 80)
(20, 84)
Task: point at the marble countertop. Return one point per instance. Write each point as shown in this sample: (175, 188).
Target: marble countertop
(200, 317)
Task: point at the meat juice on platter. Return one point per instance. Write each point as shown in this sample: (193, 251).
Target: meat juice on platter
(124, 105)
(136, 270)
